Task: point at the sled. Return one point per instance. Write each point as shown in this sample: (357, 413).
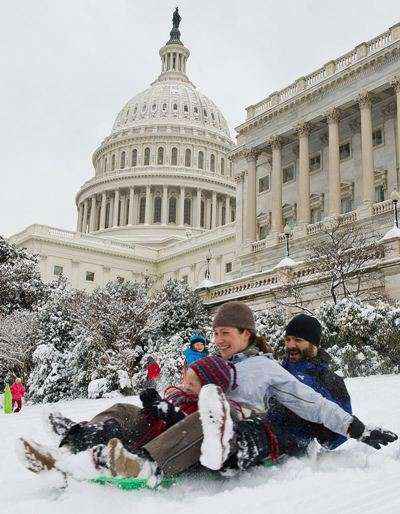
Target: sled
(135, 484)
(7, 401)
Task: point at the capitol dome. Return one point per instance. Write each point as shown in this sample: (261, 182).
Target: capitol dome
(163, 171)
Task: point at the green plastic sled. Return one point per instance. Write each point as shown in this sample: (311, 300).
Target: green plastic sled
(7, 401)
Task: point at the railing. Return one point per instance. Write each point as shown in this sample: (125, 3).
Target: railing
(243, 285)
(382, 207)
(314, 228)
(256, 246)
(335, 66)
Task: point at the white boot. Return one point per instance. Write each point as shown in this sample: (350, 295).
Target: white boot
(217, 426)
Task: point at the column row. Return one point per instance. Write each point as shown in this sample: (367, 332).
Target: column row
(202, 209)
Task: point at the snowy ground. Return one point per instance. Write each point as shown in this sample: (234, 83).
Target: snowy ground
(353, 480)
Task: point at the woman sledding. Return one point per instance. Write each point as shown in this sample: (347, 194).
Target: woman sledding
(215, 435)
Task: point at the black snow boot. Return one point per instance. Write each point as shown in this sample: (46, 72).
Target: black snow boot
(59, 423)
(84, 435)
(159, 408)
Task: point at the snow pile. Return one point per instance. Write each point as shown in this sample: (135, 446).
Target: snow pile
(353, 479)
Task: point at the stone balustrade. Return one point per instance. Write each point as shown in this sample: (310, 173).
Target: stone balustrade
(336, 66)
(382, 207)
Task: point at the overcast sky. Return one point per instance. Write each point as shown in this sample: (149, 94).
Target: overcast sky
(67, 68)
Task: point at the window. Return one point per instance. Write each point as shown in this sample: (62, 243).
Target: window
(377, 137)
(379, 193)
(157, 209)
(142, 209)
(315, 162)
(174, 157)
(346, 204)
(223, 215)
(222, 166)
(164, 107)
(185, 109)
(200, 160)
(160, 155)
(316, 215)
(196, 110)
(263, 231)
(120, 280)
(144, 108)
(113, 162)
(107, 221)
(205, 113)
(134, 157)
(187, 211)
(212, 162)
(228, 267)
(58, 270)
(344, 151)
(288, 173)
(212, 116)
(172, 210)
(188, 158)
(146, 156)
(263, 184)
(89, 277)
(154, 107)
(122, 160)
(105, 164)
(175, 107)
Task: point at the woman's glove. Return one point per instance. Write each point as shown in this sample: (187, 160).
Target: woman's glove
(373, 436)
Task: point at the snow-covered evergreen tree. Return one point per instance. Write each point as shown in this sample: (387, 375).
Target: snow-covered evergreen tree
(20, 284)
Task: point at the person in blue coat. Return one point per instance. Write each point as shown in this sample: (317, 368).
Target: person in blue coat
(196, 351)
(311, 365)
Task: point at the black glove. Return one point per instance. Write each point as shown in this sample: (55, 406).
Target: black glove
(159, 408)
(373, 436)
(251, 441)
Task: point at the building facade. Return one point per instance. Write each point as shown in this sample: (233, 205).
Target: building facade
(172, 197)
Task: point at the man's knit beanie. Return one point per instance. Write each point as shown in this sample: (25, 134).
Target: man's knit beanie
(214, 370)
(235, 314)
(305, 327)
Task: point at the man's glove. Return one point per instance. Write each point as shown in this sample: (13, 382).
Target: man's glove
(159, 408)
(373, 436)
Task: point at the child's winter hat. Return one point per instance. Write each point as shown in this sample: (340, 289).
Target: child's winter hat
(198, 338)
(305, 327)
(215, 370)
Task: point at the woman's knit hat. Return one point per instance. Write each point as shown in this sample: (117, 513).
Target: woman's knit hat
(235, 314)
(214, 370)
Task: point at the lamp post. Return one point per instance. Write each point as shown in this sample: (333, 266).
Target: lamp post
(207, 274)
(287, 232)
(395, 197)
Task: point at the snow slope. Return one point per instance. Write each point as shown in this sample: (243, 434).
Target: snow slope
(353, 480)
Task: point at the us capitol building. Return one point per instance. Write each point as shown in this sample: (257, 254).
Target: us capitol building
(172, 196)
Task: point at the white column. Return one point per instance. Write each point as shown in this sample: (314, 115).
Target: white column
(116, 208)
(132, 206)
(333, 118)
(181, 206)
(276, 185)
(79, 220)
(164, 211)
(103, 210)
(214, 210)
(123, 211)
(84, 216)
(197, 222)
(303, 197)
(227, 210)
(251, 199)
(396, 85)
(364, 101)
(207, 213)
(147, 218)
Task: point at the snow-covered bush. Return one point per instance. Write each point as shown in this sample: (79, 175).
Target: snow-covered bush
(271, 324)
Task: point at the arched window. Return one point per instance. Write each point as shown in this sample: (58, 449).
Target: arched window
(196, 110)
(212, 162)
(134, 157)
(105, 165)
(160, 155)
(202, 214)
(113, 162)
(175, 107)
(185, 109)
(187, 211)
(157, 209)
(122, 160)
(164, 107)
(174, 157)
(200, 160)
(222, 166)
(188, 157)
(107, 220)
(146, 156)
(172, 210)
(142, 209)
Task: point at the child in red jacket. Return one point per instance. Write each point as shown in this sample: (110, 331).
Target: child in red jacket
(18, 392)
